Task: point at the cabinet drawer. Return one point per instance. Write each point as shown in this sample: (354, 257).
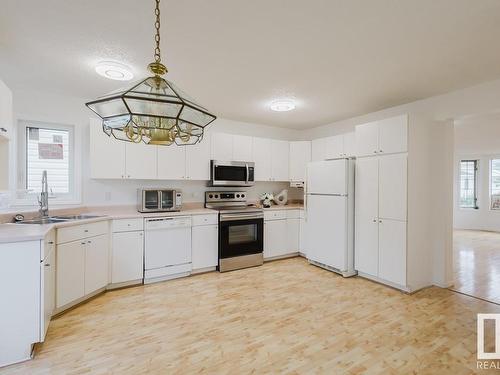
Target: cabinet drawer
(128, 225)
(205, 220)
(292, 214)
(77, 232)
(274, 215)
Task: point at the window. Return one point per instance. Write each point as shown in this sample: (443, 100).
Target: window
(468, 183)
(49, 147)
(495, 184)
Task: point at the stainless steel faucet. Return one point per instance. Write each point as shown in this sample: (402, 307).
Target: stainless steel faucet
(43, 201)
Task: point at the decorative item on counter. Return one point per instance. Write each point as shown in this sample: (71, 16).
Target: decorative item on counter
(282, 197)
(267, 199)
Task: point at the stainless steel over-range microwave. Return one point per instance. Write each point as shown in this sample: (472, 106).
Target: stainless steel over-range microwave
(158, 200)
(232, 173)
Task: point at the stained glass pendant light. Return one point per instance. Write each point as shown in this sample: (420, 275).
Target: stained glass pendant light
(154, 110)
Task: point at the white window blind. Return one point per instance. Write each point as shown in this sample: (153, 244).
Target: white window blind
(468, 184)
(48, 149)
(495, 184)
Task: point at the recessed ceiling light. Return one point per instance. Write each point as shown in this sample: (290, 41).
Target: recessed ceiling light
(114, 70)
(282, 105)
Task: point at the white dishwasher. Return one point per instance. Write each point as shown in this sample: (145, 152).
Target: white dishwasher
(167, 248)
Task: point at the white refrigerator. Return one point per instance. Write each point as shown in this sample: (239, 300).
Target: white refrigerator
(329, 204)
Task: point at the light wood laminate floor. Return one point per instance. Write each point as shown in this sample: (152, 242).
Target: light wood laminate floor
(476, 262)
(284, 317)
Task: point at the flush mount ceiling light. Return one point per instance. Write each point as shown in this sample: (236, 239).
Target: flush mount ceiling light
(283, 105)
(154, 110)
(113, 70)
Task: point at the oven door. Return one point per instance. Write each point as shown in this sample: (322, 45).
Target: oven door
(241, 240)
(232, 173)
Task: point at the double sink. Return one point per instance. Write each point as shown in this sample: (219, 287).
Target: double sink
(57, 219)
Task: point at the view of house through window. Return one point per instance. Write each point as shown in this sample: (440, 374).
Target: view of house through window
(495, 184)
(468, 183)
(47, 149)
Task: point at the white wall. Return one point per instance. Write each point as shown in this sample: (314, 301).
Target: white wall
(53, 108)
(477, 138)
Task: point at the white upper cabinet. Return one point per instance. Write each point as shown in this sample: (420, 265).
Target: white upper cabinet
(262, 159)
(300, 155)
(222, 146)
(242, 148)
(367, 139)
(279, 160)
(6, 112)
(386, 136)
(393, 135)
(107, 155)
(198, 160)
(318, 149)
(349, 144)
(140, 160)
(334, 147)
(393, 186)
(172, 162)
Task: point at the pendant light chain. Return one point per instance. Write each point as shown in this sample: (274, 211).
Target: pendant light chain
(157, 36)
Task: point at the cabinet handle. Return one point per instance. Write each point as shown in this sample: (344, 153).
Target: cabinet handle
(50, 242)
(85, 230)
(375, 152)
(128, 176)
(374, 220)
(380, 151)
(82, 243)
(380, 221)
(47, 264)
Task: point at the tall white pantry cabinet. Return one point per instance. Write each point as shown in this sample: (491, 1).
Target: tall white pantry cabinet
(381, 213)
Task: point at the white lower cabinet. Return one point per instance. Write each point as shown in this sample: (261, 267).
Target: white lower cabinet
(48, 287)
(82, 263)
(70, 272)
(127, 262)
(205, 246)
(303, 236)
(96, 264)
(392, 251)
(275, 241)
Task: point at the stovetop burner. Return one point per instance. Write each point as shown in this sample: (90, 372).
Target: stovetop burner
(229, 201)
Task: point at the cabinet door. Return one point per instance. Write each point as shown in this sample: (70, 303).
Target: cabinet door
(279, 160)
(303, 236)
(392, 251)
(205, 246)
(334, 147)
(198, 160)
(292, 235)
(70, 272)
(275, 241)
(242, 148)
(318, 149)
(262, 159)
(107, 155)
(140, 161)
(300, 155)
(96, 263)
(127, 256)
(349, 144)
(172, 162)
(222, 146)
(393, 134)
(367, 139)
(49, 291)
(393, 186)
(366, 216)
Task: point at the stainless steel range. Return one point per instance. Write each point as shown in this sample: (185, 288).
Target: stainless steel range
(241, 230)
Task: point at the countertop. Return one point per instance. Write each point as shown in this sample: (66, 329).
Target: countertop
(10, 232)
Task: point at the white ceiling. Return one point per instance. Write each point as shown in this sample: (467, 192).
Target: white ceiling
(337, 58)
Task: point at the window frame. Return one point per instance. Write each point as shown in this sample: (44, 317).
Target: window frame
(490, 178)
(23, 195)
(476, 175)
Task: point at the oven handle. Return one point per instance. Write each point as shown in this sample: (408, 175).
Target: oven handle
(232, 217)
